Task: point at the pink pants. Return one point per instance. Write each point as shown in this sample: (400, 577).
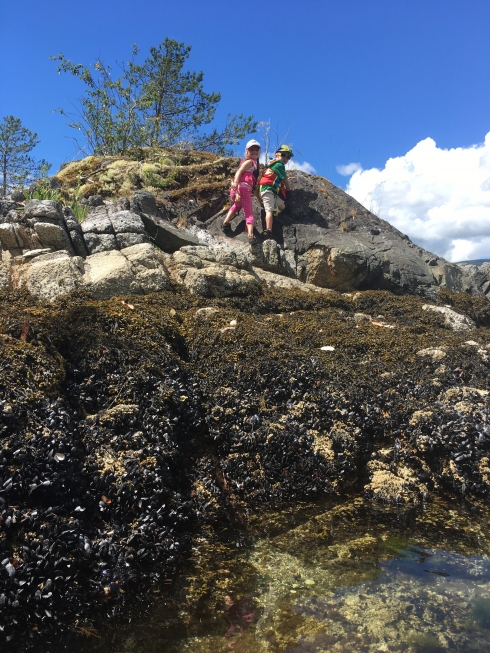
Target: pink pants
(244, 202)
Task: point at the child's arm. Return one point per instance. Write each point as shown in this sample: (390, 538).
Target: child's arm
(239, 172)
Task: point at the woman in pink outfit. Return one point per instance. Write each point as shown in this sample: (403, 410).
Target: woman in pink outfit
(242, 187)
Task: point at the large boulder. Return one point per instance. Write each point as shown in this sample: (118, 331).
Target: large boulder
(97, 223)
(54, 236)
(48, 222)
(134, 270)
(323, 238)
(144, 202)
(47, 209)
(51, 275)
(8, 236)
(213, 271)
(167, 237)
(147, 266)
(479, 275)
(110, 227)
(327, 238)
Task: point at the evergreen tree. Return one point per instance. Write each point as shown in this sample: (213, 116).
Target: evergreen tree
(16, 167)
(155, 103)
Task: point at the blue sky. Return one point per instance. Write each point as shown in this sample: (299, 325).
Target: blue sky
(353, 81)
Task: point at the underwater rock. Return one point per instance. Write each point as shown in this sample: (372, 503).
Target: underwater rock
(393, 488)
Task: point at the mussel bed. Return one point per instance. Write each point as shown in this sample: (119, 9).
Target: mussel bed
(132, 426)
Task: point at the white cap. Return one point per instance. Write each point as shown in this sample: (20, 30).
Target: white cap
(252, 143)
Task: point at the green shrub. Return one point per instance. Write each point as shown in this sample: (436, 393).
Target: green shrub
(43, 191)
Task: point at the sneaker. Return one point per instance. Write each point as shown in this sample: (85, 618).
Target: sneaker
(267, 234)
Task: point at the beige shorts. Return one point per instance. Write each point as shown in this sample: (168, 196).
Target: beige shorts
(271, 200)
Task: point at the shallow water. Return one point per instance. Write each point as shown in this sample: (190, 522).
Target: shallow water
(328, 578)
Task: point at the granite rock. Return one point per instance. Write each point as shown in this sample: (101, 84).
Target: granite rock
(100, 242)
(144, 202)
(43, 209)
(452, 319)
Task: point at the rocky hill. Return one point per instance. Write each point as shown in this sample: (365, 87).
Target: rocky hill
(324, 238)
(160, 381)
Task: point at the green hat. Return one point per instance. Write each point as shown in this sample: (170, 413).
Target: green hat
(285, 148)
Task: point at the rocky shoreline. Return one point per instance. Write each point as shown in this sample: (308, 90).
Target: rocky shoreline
(176, 202)
(160, 381)
(129, 423)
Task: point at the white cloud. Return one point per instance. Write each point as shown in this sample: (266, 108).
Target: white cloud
(304, 166)
(439, 198)
(349, 169)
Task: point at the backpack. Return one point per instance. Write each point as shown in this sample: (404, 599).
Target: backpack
(271, 178)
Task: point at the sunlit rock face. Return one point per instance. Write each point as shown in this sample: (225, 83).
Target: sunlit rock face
(172, 199)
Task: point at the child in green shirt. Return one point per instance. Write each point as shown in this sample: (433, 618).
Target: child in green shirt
(273, 184)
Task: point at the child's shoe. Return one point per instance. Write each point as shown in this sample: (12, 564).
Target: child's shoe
(226, 227)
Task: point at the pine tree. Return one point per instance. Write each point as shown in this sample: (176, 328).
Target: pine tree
(154, 104)
(16, 166)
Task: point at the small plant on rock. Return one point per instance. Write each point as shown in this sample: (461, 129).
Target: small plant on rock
(43, 190)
